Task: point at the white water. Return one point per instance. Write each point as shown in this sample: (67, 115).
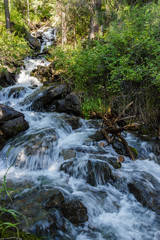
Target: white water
(113, 212)
(48, 37)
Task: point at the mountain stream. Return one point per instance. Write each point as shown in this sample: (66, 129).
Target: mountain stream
(54, 162)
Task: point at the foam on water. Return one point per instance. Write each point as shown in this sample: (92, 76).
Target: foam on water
(113, 212)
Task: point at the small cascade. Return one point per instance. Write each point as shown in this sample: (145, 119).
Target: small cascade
(48, 38)
(54, 163)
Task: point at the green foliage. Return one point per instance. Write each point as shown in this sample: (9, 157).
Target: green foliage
(12, 48)
(93, 107)
(125, 59)
(130, 51)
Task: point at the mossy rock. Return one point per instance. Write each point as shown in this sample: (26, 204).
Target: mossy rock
(23, 235)
(134, 151)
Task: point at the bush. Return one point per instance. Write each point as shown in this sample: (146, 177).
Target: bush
(13, 48)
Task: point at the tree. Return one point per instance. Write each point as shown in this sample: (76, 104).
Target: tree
(7, 14)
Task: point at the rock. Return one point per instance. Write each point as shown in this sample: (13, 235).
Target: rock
(7, 78)
(72, 209)
(147, 194)
(44, 74)
(13, 127)
(11, 123)
(119, 147)
(48, 99)
(94, 124)
(74, 122)
(98, 173)
(56, 200)
(34, 43)
(114, 162)
(121, 150)
(98, 136)
(71, 104)
(94, 172)
(17, 92)
(29, 99)
(8, 113)
(68, 153)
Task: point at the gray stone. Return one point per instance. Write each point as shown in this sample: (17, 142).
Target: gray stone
(11, 123)
(7, 78)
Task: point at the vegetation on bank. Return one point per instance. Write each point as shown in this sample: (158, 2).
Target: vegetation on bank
(118, 65)
(122, 65)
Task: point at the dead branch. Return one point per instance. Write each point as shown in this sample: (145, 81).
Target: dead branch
(111, 129)
(116, 120)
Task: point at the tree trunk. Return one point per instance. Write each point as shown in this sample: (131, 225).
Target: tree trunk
(7, 14)
(28, 11)
(75, 36)
(64, 28)
(92, 28)
(94, 25)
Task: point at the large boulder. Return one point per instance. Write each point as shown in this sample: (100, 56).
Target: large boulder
(12, 123)
(47, 100)
(7, 78)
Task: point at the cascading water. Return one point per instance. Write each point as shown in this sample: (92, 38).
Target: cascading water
(47, 38)
(50, 156)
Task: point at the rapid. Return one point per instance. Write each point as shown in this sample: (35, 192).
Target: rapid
(51, 156)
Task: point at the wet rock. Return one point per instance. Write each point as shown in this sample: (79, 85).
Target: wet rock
(88, 149)
(29, 99)
(119, 147)
(8, 113)
(7, 78)
(93, 171)
(13, 127)
(17, 92)
(68, 153)
(70, 104)
(8, 234)
(12, 123)
(113, 161)
(47, 100)
(98, 136)
(145, 193)
(72, 209)
(74, 122)
(98, 173)
(56, 200)
(36, 147)
(94, 124)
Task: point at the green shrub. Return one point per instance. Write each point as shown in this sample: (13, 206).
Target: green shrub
(12, 48)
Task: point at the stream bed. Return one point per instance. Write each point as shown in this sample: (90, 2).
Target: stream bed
(66, 183)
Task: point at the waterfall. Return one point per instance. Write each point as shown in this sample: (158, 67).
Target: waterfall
(53, 159)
